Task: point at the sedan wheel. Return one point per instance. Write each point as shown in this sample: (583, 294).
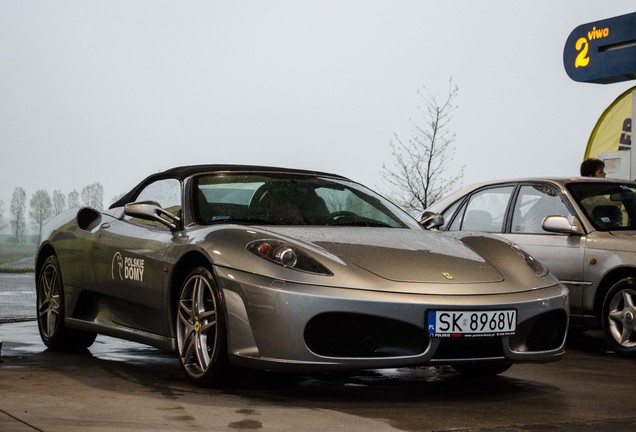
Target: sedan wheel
(50, 311)
(201, 331)
(619, 317)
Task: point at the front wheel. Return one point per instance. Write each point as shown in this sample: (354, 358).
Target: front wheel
(50, 311)
(201, 332)
(619, 317)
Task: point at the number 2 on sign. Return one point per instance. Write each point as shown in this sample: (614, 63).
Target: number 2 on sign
(582, 59)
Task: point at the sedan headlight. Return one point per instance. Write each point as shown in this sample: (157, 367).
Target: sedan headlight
(538, 268)
(288, 256)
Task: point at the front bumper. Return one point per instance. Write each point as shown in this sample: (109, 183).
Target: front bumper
(284, 326)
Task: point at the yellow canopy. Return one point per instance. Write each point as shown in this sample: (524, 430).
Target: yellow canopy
(613, 129)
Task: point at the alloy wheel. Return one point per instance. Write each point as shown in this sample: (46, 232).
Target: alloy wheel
(622, 317)
(49, 300)
(197, 326)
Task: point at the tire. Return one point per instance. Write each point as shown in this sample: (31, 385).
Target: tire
(50, 311)
(481, 370)
(619, 317)
(201, 332)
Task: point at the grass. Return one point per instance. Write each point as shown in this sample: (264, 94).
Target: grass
(11, 253)
(12, 259)
(17, 270)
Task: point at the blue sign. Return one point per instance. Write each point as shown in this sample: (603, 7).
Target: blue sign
(602, 52)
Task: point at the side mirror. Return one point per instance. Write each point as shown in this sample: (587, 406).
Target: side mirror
(431, 220)
(151, 211)
(561, 224)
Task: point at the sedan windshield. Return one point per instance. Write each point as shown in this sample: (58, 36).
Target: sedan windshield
(292, 200)
(608, 206)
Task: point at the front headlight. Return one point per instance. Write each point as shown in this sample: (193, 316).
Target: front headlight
(538, 268)
(288, 256)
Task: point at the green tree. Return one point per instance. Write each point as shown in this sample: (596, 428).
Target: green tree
(93, 196)
(2, 222)
(59, 202)
(73, 200)
(16, 211)
(41, 208)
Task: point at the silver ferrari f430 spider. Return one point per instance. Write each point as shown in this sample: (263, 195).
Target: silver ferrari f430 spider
(235, 267)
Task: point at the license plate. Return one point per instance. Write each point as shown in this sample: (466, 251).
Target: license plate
(448, 323)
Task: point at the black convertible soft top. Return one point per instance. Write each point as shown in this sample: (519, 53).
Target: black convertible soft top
(183, 172)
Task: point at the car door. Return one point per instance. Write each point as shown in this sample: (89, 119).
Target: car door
(130, 263)
(516, 212)
(562, 253)
(484, 210)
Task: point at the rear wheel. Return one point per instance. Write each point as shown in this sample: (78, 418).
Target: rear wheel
(619, 317)
(481, 370)
(202, 333)
(50, 311)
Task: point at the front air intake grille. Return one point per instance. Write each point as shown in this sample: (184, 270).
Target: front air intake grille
(341, 334)
(548, 331)
(545, 332)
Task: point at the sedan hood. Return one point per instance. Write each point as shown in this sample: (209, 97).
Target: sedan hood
(623, 241)
(401, 255)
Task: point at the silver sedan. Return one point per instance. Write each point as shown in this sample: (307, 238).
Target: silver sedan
(583, 230)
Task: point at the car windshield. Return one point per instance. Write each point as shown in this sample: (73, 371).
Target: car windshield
(608, 206)
(292, 200)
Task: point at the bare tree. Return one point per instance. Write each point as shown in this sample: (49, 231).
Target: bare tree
(41, 208)
(419, 173)
(59, 202)
(93, 196)
(17, 209)
(73, 200)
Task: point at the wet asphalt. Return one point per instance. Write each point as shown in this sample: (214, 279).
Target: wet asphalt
(123, 386)
(17, 297)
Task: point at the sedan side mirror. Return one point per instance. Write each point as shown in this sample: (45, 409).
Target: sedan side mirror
(151, 211)
(561, 224)
(431, 220)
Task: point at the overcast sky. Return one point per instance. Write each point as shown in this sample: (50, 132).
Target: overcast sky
(111, 91)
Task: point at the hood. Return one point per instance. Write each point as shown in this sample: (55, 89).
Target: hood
(401, 255)
(622, 234)
(618, 240)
